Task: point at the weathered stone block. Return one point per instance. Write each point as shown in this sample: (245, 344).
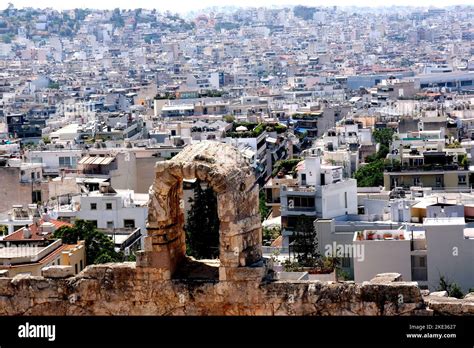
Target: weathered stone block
(244, 273)
(6, 288)
(386, 278)
(439, 294)
(57, 272)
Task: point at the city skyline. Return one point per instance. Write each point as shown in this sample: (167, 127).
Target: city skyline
(188, 6)
(237, 161)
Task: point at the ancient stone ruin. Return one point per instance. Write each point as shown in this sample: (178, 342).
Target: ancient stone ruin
(227, 173)
(243, 287)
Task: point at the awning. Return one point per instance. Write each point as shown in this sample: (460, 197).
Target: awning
(96, 160)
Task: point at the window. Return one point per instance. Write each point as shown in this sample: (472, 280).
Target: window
(129, 223)
(110, 224)
(297, 203)
(303, 179)
(416, 181)
(36, 196)
(93, 206)
(422, 261)
(65, 162)
(461, 179)
(108, 206)
(81, 265)
(75, 268)
(93, 222)
(346, 262)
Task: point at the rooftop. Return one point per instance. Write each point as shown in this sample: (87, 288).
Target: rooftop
(444, 221)
(36, 231)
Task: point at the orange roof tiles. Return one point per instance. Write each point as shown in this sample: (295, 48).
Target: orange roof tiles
(35, 231)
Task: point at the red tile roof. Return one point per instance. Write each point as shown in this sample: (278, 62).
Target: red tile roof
(35, 231)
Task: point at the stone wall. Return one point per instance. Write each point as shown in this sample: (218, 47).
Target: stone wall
(124, 289)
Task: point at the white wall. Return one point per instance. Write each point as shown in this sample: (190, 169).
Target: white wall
(382, 256)
(333, 198)
(312, 169)
(50, 159)
(118, 213)
(449, 254)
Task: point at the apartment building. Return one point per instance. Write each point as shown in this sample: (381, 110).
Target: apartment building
(119, 212)
(21, 183)
(30, 249)
(443, 247)
(319, 191)
(429, 167)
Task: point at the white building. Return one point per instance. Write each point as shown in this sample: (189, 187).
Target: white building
(55, 160)
(443, 247)
(108, 209)
(320, 191)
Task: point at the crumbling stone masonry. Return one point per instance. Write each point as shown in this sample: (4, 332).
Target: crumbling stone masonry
(229, 175)
(125, 289)
(244, 287)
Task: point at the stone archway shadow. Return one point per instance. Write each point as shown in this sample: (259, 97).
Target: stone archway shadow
(232, 179)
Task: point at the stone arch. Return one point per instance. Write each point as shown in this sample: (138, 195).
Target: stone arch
(232, 179)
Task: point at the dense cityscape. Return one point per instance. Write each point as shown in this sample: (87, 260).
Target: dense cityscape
(320, 144)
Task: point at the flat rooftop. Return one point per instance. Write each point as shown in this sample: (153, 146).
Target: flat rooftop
(444, 221)
(23, 251)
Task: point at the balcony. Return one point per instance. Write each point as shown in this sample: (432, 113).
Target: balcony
(424, 168)
(300, 188)
(374, 235)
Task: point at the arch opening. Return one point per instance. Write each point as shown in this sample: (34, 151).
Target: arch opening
(227, 173)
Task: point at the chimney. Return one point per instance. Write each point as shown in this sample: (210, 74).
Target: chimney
(26, 232)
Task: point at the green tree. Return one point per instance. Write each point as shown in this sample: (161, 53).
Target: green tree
(53, 85)
(452, 289)
(269, 234)
(370, 174)
(286, 166)
(117, 19)
(383, 136)
(229, 118)
(202, 227)
(304, 12)
(7, 38)
(305, 244)
(99, 247)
